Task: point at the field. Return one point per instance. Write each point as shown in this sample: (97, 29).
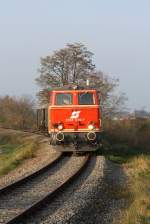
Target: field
(14, 149)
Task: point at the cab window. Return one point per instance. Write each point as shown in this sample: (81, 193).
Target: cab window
(85, 98)
(63, 99)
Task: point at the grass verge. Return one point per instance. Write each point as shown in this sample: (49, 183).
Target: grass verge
(137, 191)
(136, 166)
(126, 142)
(13, 150)
(138, 172)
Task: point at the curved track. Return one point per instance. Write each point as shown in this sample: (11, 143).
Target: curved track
(21, 181)
(19, 186)
(21, 211)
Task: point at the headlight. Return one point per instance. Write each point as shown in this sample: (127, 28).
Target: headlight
(91, 127)
(60, 127)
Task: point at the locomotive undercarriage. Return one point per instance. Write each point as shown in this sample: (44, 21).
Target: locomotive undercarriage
(75, 141)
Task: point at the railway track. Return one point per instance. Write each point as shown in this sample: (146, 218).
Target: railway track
(21, 181)
(19, 200)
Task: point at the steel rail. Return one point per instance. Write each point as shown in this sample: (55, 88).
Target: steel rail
(21, 181)
(48, 197)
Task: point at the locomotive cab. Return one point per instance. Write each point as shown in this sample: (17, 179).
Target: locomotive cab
(74, 118)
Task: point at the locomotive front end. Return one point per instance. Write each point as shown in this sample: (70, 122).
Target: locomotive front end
(74, 118)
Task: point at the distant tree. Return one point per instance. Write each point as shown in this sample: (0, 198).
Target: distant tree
(17, 112)
(73, 65)
(141, 113)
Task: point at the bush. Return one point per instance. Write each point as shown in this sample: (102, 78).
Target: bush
(17, 113)
(126, 138)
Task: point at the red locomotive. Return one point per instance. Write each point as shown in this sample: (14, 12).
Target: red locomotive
(74, 119)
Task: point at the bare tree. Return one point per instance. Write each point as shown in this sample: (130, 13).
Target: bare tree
(63, 67)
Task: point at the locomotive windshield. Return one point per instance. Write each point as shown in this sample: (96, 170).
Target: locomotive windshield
(85, 98)
(64, 99)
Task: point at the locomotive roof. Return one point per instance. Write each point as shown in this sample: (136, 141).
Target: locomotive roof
(74, 90)
(72, 87)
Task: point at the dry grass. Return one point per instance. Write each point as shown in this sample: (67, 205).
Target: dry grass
(13, 150)
(128, 143)
(138, 171)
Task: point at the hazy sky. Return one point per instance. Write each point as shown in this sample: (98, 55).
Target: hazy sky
(117, 32)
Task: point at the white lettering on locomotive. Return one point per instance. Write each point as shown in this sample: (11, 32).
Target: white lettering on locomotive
(75, 114)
